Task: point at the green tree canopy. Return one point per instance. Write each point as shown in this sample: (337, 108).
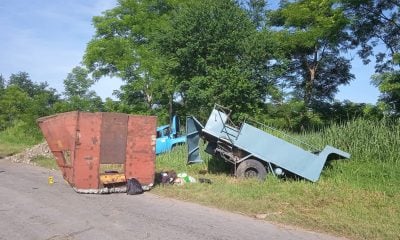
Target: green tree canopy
(24, 100)
(78, 83)
(24, 82)
(14, 106)
(389, 86)
(78, 94)
(213, 56)
(189, 53)
(123, 47)
(375, 23)
(2, 82)
(313, 33)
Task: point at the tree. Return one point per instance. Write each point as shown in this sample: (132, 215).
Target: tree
(331, 71)
(389, 86)
(22, 101)
(256, 10)
(209, 48)
(376, 23)
(313, 33)
(373, 23)
(14, 106)
(181, 55)
(2, 83)
(78, 95)
(23, 81)
(77, 83)
(339, 112)
(123, 47)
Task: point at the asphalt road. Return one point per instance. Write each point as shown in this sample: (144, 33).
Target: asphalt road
(32, 209)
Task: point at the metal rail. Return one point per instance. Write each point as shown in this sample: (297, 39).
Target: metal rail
(225, 126)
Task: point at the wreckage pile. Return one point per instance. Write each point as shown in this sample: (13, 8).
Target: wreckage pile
(28, 155)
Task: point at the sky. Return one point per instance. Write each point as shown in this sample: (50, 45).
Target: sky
(47, 38)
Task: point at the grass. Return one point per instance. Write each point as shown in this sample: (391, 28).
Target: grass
(375, 160)
(14, 140)
(357, 198)
(7, 149)
(45, 162)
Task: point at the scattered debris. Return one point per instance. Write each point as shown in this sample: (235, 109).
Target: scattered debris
(167, 177)
(203, 171)
(186, 178)
(265, 215)
(133, 187)
(205, 180)
(170, 177)
(261, 216)
(28, 155)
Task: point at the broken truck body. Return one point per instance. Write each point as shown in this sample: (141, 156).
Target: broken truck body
(99, 152)
(252, 151)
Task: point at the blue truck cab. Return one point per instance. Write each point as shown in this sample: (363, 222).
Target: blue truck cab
(168, 136)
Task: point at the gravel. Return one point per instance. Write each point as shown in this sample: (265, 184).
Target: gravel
(28, 155)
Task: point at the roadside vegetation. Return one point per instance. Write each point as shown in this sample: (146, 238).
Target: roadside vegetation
(46, 162)
(357, 198)
(279, 66)
(17, 138)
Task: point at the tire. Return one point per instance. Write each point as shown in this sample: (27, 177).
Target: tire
(251, 169)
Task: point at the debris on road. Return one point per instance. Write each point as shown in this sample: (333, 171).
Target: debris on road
(167, 177)
(133, 187)
(186, 178)
(170, 177)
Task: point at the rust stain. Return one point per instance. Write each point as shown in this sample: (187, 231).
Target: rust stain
(94, 139)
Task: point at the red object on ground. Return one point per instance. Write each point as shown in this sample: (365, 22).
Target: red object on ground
(98, 152)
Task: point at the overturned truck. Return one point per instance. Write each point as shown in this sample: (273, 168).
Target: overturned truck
(256, 151)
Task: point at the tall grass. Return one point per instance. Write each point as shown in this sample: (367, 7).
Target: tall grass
(17, 138)
(374, 149)
(358, 198)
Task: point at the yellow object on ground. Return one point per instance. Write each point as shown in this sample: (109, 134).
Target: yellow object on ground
(112, 178)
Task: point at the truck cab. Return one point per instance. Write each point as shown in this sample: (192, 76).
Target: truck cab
(168, 136)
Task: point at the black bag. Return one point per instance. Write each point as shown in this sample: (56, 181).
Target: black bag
(133, 187)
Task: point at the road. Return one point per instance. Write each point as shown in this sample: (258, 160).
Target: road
(32, 209)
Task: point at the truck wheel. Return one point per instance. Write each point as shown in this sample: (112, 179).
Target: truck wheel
(251, 169)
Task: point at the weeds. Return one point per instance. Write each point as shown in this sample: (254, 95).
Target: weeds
(45, 162)
(357, 198)
(17, 138)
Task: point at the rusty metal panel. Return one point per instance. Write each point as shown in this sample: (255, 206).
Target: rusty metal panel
(97, 149)
(59, 131)
(87, 151)
(114, 128)
(140, 149)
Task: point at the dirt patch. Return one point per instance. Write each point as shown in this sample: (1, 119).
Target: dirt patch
(26, 156)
